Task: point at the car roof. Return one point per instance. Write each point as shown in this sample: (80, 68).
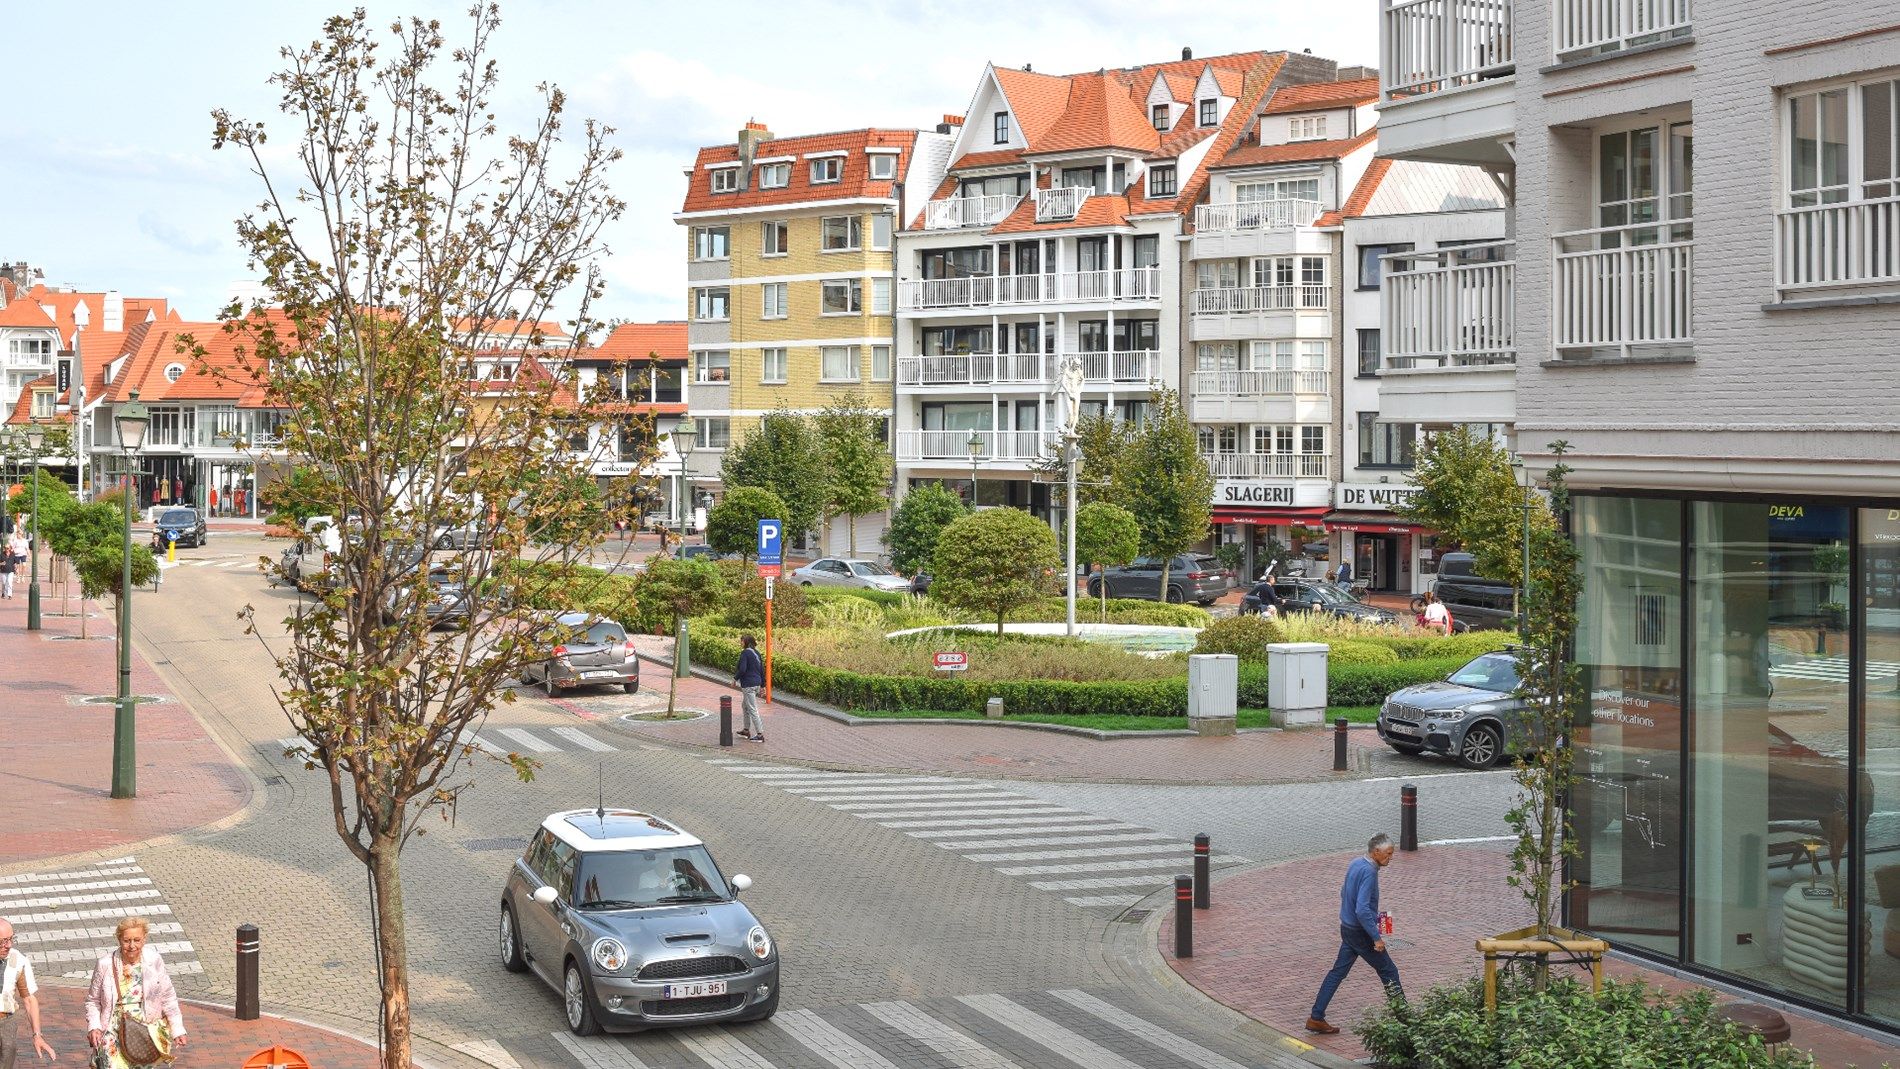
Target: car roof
(593, 831)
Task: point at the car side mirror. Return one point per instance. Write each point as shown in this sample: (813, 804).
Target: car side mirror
(544, 895)
(740, 882)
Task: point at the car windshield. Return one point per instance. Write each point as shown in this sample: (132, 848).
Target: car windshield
(604, 632)
(1332, 595)
(866, 568)
(178, 518)
(630, 879)
(1494, 672)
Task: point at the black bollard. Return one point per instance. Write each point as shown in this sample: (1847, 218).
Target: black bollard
(725, 720)
(1408, 818)
(247, 972)
(1203, 859)
(1184, 916)
(1339, 745)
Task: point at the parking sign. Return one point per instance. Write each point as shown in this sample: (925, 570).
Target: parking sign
(771, 547)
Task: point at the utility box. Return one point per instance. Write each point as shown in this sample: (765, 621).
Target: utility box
(1213, 685)
(1296, 683)
(993, 708)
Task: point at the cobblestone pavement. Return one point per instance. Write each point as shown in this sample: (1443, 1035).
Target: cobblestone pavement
(217, 1039)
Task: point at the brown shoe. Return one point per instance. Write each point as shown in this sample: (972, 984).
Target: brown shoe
(1319, 1027)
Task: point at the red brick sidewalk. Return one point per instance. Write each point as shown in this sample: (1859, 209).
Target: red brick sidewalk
(216, 1038)
(56, 751)
(1272, 932)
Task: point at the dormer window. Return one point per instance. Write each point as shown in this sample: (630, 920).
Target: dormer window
(1307, 128)
(1210, 112)
(725, 180)
(883, 166)
(174, 372)
(999, 127)
(1161, 116)
(828, 170)
(1161, 180)
(42, 404)
(775, 175)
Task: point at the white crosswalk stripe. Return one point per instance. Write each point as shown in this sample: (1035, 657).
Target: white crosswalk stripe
(1061, 1041)
(64, 920)
(497, 741)
(1153, 1033)
(830, 1042)
(583, 740)
(942, 1040)
(598, 1052)
(1833, 669)
(526, 740)
(722, 1051)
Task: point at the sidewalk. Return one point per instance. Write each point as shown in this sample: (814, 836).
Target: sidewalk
(1272, 932)
(216, 1037)
(56, 749)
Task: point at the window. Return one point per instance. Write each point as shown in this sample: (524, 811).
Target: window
(1161, 181)
(712, 243)
(1160, 112)
(1825, 127)
(1095, 178)
(838, 363)
(972, 261)
(715, 432)
(881, 296)
(1313, 441)
(1210, 112)
(43, 404)
(772, 366)
(1147, 252)
(1283, 189)
(840, 233)
(725, 180)
(884, 166)
(999, 127)
(826, 171)
(774, 239)
(712, 365)
(1307, 128)
(1385, 445)
(1216, 274)
(1369, 265)
(1643, 177)
(712, 302)
(174, 372)
(1368, 352)
(1217, 356)
(773, 300)
(30, 350)
(881, 232)
(1313, 272)
(775, 175)
(841, 296)
(996, 185)
(880, 363)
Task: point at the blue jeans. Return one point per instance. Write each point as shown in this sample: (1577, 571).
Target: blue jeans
(1354, 943)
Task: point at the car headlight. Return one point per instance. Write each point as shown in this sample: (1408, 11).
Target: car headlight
(760, 943)
(609, 954)
(1450, 716)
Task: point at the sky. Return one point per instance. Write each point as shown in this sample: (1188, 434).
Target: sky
(108, 179)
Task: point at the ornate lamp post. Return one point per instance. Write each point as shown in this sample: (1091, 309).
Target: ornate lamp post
(683, 442)
(35, 439)
(975, 446)
(131, 420)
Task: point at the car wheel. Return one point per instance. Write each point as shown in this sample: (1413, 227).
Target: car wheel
(1175, 597)
(632, 686)
(1409, 749)
(548, 685)
(511, 958)
(805, 583)
(1095, 588)
(526, 678)
(579, 1002)
(766, 1009)
(1483, 747)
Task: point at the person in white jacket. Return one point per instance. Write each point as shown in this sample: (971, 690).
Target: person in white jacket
(130, 986)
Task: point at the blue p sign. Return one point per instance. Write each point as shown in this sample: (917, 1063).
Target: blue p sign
(771, 542)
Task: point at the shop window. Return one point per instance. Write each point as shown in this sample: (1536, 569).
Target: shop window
(1879, 620)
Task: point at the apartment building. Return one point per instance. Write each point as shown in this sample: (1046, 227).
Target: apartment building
(639, 371)
(1714, 340)
(1056, 237)
(789, 249)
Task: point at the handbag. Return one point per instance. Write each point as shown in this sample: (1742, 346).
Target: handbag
(144, 1042)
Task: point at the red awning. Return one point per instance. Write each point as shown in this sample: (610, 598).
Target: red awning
(1263, 517)
(1373, 523)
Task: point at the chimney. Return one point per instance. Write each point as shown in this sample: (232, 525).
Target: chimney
(949, 124)
(750, 138)
(1187, 53)
(114, 319)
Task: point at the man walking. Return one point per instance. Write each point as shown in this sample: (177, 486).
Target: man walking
(1360, 932)
(750, 675)
(19, 996)
(1345, 573)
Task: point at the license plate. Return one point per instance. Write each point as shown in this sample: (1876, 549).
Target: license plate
(600, 675)
(698, 990)
(1392, 728)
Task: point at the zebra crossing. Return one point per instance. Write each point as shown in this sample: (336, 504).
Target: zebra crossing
(499, 741)
(1834, 670)
(1066, 1027)
(208, 562)
(64, 920)
(1091, 861)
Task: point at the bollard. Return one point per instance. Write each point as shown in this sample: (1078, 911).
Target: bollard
(1408, 818)
(1339, 745)
(725, 720)
(1203, 862)
(1184, 916)
(247, 972)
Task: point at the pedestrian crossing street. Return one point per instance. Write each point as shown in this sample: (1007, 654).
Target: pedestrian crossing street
(1091, 861)
(1068, 1027)
(64, 920)
(500, 741)
(1835, 670)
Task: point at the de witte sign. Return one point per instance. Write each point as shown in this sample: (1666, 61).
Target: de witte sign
(1375, 497)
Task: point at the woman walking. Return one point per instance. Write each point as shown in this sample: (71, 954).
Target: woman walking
(132, 1010)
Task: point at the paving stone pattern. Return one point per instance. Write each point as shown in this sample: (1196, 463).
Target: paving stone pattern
(64, 920)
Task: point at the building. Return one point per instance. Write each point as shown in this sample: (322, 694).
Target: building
(1713, 339)
(639, 370)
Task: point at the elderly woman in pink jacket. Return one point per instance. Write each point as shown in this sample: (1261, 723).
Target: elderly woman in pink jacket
(132, 992)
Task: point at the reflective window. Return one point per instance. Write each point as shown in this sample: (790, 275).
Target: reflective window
(1879, 745)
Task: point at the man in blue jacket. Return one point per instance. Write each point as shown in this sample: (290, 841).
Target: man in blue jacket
(750, 676)
(1360, 935)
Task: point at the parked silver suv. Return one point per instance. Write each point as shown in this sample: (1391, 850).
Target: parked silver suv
(1473, 715)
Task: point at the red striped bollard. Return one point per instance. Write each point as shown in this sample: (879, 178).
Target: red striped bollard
(1184, 916)
(1203, 859)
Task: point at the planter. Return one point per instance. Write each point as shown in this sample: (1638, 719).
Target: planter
(1525, 944)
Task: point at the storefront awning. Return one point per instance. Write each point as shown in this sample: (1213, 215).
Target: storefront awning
(1373, 523)
(1269, 517)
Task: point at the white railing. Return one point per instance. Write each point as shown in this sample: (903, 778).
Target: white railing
(957, 212)
(1241, 300)
(1266, 465)
(1256, 215)
(1132, 283)
(1838, 244)
(1271, 383)
(1433, 45)
(1125, 365)
(990, 445)
(1453, 307)
(1593, 26)
(1061, 203)
(971, 369)
(1636, 292)
(30, 360)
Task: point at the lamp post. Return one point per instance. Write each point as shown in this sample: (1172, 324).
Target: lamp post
(35, 438)
(975, 446)
(683, 443)
(131, 421)
(1525, 482)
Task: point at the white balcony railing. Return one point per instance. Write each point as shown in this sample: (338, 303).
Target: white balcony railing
(1256, 215)
(990, 445)
(1589, 27)
(1453, 307)
(1625, 288)
(1061, 203)
(1123, 365)
(957, 212)
(1243, 300)
(1838, 244)
(973, 369)
(1433, 45)
(1126, 284)
(1267, 465)
(1273, 383)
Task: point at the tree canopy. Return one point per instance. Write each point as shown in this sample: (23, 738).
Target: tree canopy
(920, 517)
(993, 561)
(733, 524)
(1468, 492)
(785, 455)
(1161, 477)
(856, 462)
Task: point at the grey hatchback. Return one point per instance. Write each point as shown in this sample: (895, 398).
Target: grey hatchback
(628, 917)
(1473, 715)
(584, 650)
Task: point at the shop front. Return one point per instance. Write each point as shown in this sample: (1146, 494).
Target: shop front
(1260, 515)
(1391, 554)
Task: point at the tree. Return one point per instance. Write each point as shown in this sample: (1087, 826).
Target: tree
(403, 241)
(1468, 492)
(92, 537)
(733, 524)
(1163, 479)
(1102, 443)
(1106, 535)
(783, 454)
(857, 464)
(920, 517)
(682, 589)
(993, 561)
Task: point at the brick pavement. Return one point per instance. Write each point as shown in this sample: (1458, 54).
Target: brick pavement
(217, 1038)
(1272, 931)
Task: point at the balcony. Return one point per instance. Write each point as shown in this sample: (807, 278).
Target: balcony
(1838, 245)
(1257, 228)
(1276, 396)
(956, 213)
(997, 369)
(1447, 70)
(1061, 204)
(952, 448)
(1447, 325)
(1259, 311)
(990, 291)
(1267, 465)
(1625, 292)
(1580, 28)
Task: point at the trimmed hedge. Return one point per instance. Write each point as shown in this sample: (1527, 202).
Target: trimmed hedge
(887, 598)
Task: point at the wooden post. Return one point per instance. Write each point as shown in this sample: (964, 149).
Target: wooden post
(1490, 982)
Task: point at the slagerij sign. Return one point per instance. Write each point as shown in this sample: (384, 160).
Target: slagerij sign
(1233, 492)
(1375, 497)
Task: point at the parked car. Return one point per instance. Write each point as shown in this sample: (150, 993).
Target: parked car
(1473, 715)
(629, 918)
(186, 526)
(467, 536)
(1472, 599)
(584, 650)
(1198, 578)
(701, 551)
(839, 571)
(446, 605)
(1316, 595)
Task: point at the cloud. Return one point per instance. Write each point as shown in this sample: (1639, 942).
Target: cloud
(175, 239)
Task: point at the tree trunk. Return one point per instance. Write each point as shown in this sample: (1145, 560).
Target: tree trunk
(1162, 594)
(1000, 613)
(392, 949)
(851, 532)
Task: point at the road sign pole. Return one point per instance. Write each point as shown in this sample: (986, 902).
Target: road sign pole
(768, 642)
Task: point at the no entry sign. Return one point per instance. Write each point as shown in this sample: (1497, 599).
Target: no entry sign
(953, 662)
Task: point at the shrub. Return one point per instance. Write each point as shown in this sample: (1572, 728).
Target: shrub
(1349, 652)
(819, 594)
(1120, 611)
(1245, 637)
(853, 614)
(1368, 684)
(993, 562)
(1428, 644)
(745, 606)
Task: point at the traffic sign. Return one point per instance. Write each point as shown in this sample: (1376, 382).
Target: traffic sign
(953, 662)
(768, 586)
(771, 543)
(771, 571)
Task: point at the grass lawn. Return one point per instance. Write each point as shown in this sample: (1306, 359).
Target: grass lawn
(1248, 718)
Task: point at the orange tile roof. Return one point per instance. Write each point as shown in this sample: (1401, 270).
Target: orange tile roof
(1037, 100)
(1296, 152)
(218, 374)
(65, 304)
(23, 407)
(638, 341)
(1319, 96)
(856, 183)
(1258, 79)
(25, 313)
(1180, 86)
(1100, 113)
(998, 158)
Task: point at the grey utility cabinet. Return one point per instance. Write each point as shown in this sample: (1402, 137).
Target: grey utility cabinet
(1213, 686)
(1296, 683)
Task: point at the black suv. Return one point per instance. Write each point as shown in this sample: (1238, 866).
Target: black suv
(1315, 595)
(1195, 577)
(1473, 600)
(182, 526)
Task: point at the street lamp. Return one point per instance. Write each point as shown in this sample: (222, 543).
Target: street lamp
(683, 442)
(1526, 482)
(131, 420)
(975, 446)
(35, 438)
